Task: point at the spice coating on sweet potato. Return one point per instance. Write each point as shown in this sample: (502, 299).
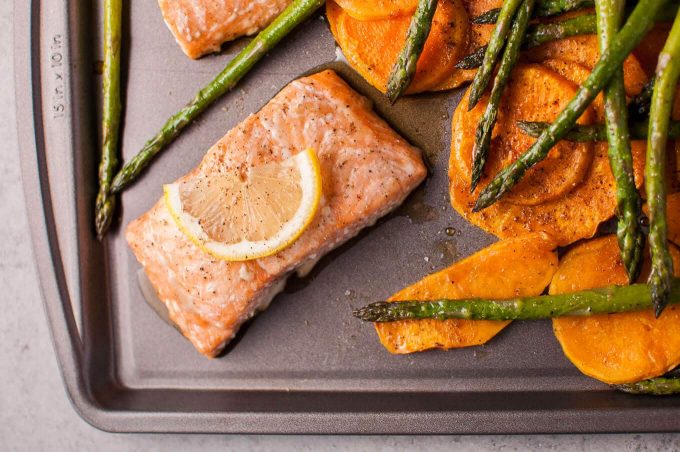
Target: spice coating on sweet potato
(614, 348)
(515, 267)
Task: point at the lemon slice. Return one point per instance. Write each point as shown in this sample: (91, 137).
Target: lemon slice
(248, 214)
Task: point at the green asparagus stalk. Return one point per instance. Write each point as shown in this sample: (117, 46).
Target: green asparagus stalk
(604, 300)
(637, 25)
(596, 132)
(105, 204)
(493, 49)
(628, 202)
(488, 119)
(538, 34)
(655, 386)
(544, 8)
(541, 33)
(296, 13)
(667, 74)
(548, 8)
(405, 67)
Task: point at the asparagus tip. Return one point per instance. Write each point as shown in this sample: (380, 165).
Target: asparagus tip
(660, 293)
(362, 314)
(104, 211)
(373, 312)
(483, 201)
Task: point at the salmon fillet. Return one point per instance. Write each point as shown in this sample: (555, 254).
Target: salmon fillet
(202, 26)
(367, 170)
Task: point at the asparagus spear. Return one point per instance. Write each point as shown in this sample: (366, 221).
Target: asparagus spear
(544, 8)
(655, 386)
(597, 132)
(405, 67)
(296, 13)
(628, 202)
(637, 25)
(105, 204)
(539, 34)
(580, 25)
(494, 47)
(604, 300)
(488, 119)
(667, 74)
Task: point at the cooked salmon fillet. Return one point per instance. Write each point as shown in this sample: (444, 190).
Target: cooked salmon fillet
(367, 170)
(202, 26)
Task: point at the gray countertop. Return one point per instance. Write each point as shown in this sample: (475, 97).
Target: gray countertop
(35, 413)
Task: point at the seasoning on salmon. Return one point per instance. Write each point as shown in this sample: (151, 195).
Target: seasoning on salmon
(367, 170)
(202, 26)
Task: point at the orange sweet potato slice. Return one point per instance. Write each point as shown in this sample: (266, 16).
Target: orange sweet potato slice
(478, 7)
(572, 213)
(534, 94)
(614, 348)
(513, 267)
(585, 51)
(478, 36)
(372, 47)
(378, 9)
(577, 73)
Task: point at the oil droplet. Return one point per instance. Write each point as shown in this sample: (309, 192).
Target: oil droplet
(417, 210)
(447, 250)
(450, 231)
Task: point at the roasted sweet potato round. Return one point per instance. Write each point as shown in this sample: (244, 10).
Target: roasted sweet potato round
(614, 348)
(372, 47)
(377, 9)
(516, 267)
(478, 36)
(578, 73)
(534, 93)
(585, 51)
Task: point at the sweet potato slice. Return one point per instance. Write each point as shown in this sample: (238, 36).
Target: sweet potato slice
(573, 212)
(533, 94)
(478, 36)
(614, 348)
(377, 9)
(577, 73)
(513, 267)
(372, 47)
(585, 51)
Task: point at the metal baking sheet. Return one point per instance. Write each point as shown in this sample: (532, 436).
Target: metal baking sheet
(305, 365)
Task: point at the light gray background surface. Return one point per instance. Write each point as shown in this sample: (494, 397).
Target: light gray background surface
(35, 413)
